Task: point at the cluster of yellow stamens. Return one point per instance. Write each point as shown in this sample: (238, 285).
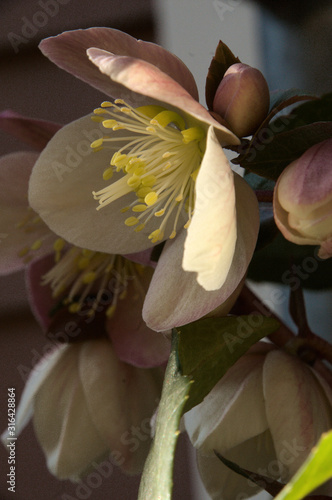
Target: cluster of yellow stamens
(160, 161)
(88, 281)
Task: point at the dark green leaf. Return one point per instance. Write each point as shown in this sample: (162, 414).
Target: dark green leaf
(269, 153)
(222, 60)
(274, 263)
(281, 99)
(208, 347)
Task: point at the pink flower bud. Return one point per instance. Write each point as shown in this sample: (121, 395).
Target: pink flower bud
(242, 99)
(303, 199)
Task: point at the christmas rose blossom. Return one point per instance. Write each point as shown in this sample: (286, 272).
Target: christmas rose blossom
(156, 148)
(85, 405)
(265, 414)
(303, 199)
(86, 283)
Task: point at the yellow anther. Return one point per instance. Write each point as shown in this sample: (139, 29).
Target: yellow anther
(139, 228)
(151, 198)
(156, 235)
(106, 104)
(167, 166)
(110, 123)
(193, 134)
(83, 262)
(166, 155)
(131, 221)
(74, 307)
(172, 235)
(166, 117)
(97, 143)
(150, 129)
(95, 150)
(187, 224)
(108, 174)
(87, 253)
(139, 208)
(59, 245)
(119, 159)
(179, 197)
(97, 119)
(119, 101)
(160, 212)
(134, 181)
(36, 245)
(195, 174)
(148, 180)
(150, 111)
(98, 111)
(139, 170)
(143, 191)
(89, 277)
(125, 110)
(23, 252)
(110, 311)
(124, 209)
(118, 127)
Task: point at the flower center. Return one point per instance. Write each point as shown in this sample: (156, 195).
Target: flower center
(88, 281)
(160, 160)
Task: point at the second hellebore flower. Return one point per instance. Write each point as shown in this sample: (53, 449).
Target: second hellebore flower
(303, 199)
(158, 150)
(265, 414)
(87, 405)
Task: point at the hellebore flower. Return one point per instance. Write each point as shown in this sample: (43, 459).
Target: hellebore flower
(158, 149)
(265, 414)
(87, 406)
(242, 99)
(81, 282)
(303, 199)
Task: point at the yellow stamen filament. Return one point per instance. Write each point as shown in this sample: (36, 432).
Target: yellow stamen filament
(158, 163)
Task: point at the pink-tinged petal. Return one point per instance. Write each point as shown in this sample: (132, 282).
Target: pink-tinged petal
(68, 51)
(62, 420)
(132, 340)
(40, 297)
(296, 407)
(219, 208)
(145, 79)
(15, 171)
(175, 298)
(120, 398)
(36, 379)
(35, 133)
(60, 191)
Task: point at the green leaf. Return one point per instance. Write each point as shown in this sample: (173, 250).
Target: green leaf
(222, 60)
(319, 110)
(315, 471)
(157, 482)
(208, 347)
(275, 261)
(268, 153)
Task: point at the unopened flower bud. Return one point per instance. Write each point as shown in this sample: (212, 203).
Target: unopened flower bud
(242, 99)
(303, 199)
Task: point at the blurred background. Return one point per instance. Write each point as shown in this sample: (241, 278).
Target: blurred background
(289, 41)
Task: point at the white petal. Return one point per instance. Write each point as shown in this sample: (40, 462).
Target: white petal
(120, 397)
(36, 379)
(218, 422)
(62, 421)
(210, 244)
(224, 484)
(61, 186)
